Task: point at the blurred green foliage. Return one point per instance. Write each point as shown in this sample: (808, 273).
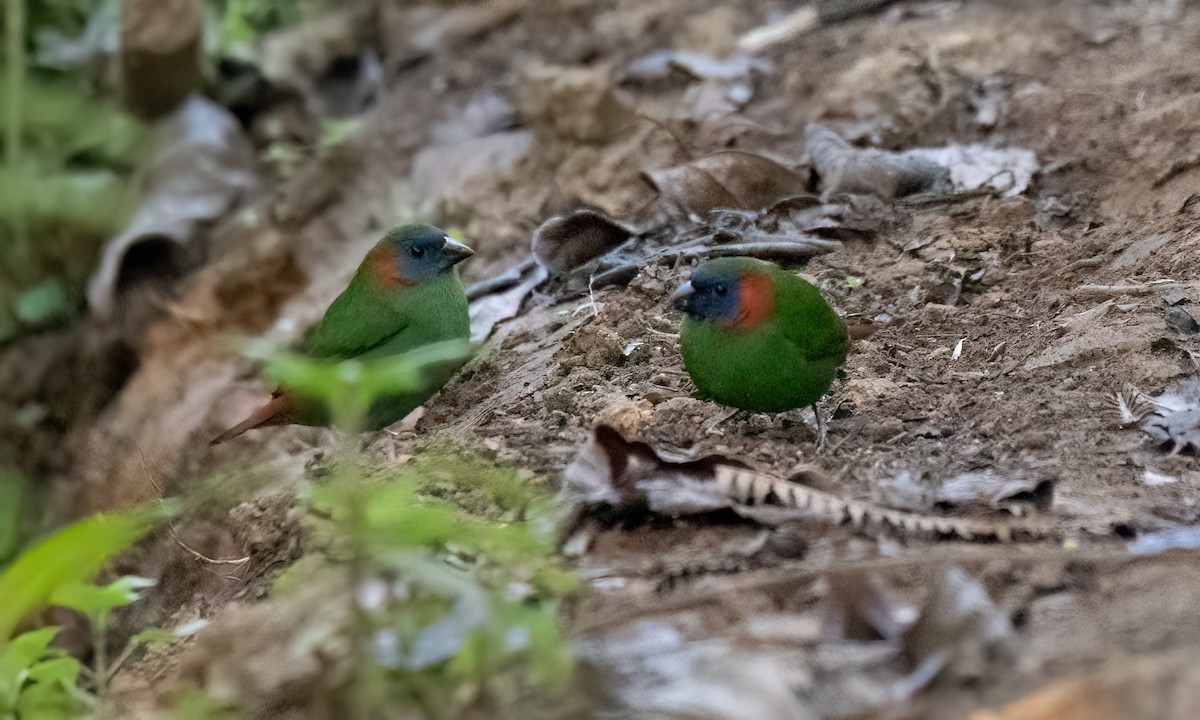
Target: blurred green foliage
(37, 680)
(452, 559)
(67, 157)
(244, 22)
(348, 387)
(458, 609)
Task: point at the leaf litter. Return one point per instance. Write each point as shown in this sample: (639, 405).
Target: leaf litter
(569, 347)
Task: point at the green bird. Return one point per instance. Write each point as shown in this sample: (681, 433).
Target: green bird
(756, 337)
(404, 295)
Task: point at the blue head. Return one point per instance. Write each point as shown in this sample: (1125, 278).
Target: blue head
(409, 254)
(733, 292)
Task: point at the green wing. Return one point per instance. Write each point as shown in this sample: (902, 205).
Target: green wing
(356, 323)
(808, 321)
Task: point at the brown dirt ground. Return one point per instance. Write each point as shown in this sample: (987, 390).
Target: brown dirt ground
(1108, 96)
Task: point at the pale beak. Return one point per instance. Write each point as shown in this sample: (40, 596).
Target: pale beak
(455, 252)
(682, 294)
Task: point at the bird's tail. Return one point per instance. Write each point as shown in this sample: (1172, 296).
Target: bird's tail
(276, 412)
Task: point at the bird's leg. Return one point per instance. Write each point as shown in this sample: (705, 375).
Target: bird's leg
(822, 427)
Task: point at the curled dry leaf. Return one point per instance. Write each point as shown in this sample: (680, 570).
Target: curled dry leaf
(888, 175)
(198, 164)
(631, 476)
(609, 471)
(727, 179)
(807, 214)
(565, 242)
(996, 490)
(844, 168)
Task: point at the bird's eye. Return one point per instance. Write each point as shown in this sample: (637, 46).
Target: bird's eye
(720, 290)
(416, 251)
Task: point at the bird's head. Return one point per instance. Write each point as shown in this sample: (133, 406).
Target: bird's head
(409, 254)
(736, 293)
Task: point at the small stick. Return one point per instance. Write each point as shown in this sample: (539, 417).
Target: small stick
(1110, 290)
(785, 250)
(503, 281)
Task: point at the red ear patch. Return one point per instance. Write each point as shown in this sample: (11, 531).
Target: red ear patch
(384, 269)
(756, 301)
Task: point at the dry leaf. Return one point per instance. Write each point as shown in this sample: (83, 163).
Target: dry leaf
(565, 242)
(727, 179)
(990, 487)
(888, 175)
(198, 165)
(1009, 171)
(844, 168)
(631, 476)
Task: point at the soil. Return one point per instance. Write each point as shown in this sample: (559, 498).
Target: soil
(986, 359)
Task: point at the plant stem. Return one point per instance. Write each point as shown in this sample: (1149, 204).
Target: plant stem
(100, 658)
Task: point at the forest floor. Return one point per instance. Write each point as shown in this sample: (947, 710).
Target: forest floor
(1001, 328)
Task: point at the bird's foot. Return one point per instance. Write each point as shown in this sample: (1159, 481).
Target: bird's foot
(822, 429)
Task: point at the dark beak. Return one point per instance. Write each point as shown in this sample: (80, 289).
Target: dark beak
(680, 297)
(455, 252)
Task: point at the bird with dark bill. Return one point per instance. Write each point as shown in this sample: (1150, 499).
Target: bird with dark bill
(406, 294)
(757, 337)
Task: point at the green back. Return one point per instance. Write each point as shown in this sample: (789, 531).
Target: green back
(807, 320)
(367, 321)
(787, 362)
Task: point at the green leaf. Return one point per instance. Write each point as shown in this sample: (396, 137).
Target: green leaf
(97, 601)
(62, 670)
(43, 303)
(357, 381)
(18, 657)
(53, 700)
(72, 554)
